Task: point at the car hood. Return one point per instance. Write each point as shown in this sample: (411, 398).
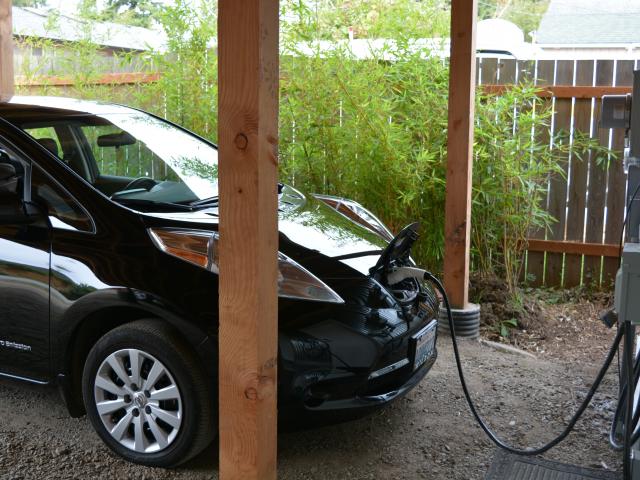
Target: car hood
(307, 222)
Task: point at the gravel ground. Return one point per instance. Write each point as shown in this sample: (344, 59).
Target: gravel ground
(427, 435)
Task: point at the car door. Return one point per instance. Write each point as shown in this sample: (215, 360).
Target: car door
(25, 251)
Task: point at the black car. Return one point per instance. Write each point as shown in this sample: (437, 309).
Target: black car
(108, 282)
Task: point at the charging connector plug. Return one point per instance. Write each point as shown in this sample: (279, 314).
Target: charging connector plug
(403, 273)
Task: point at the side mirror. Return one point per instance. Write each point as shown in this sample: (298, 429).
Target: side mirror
(13, 210)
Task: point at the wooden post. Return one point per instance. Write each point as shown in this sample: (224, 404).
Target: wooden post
(462, 84)
(248, 137)
(6, 51)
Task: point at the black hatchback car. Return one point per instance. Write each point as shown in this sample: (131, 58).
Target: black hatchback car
(108, 282)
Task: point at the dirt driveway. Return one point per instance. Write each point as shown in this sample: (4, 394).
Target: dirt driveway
(427, 435)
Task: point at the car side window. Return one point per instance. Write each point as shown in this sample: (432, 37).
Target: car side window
(60, 140)
(64, 211)
(47, 137)
(131, 159)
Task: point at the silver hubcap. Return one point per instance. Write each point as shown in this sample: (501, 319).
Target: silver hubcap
(138, 401)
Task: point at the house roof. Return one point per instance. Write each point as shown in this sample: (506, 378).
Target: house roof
(593, 22)
(32, 22)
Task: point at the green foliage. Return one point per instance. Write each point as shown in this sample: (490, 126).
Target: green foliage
(131, 12)
(511, 170)
(138, 13)
(187, 91)
(504, 327)
(371, 130)
(29, 3)
(331, 19)
(88, 9)
(524, 13)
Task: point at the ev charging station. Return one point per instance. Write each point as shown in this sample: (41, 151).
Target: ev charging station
(618, 112)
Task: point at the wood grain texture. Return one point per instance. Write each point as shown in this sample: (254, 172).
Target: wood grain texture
(248, 133)
(542, 72)
(574, 248)
(594, 195)
(507, 70)
(617, 179)
(459, 151)
(596, 200)
(605, 76)
(565, 91)
(558, 183)
(526, 70)
(6, 51)
(577, 188)
(489, 70)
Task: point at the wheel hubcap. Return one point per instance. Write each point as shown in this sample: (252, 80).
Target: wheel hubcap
(138, 401)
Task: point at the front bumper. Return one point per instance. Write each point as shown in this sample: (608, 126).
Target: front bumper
(403, 383)
(359, 355)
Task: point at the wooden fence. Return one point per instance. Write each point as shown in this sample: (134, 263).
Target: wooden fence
(588, 201)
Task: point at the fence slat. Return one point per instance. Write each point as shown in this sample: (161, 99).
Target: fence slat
(577, 194)
(507, 71)
(595, 204)
(543, 75)
(617, 181)
(526, 70)
(489, 70)
(615, 205)
(558, 183)
(604, 76)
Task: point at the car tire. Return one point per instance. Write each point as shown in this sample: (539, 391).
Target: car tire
(161, 413)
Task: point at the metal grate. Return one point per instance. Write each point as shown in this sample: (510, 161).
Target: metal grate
(506, 466)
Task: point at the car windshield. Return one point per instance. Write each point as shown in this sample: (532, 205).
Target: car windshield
(133, 157)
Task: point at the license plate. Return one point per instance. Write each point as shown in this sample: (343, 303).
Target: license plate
(424, 343)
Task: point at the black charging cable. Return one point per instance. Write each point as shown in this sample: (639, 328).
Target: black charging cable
(616, 438)
(576, 416)
(628, 424)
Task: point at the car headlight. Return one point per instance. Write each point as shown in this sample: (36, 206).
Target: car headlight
(357, 213)
(201, 248)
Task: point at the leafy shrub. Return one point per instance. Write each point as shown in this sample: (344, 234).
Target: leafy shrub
(514, 156)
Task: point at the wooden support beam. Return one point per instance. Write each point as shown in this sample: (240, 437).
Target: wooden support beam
(6, 51)
(462, 70)
(248, 176)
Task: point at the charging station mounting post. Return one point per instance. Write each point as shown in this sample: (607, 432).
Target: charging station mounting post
(462, 71)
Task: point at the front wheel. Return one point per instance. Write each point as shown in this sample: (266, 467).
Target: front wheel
(146, 395)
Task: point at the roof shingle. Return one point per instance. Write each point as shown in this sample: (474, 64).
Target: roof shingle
(590, 22)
